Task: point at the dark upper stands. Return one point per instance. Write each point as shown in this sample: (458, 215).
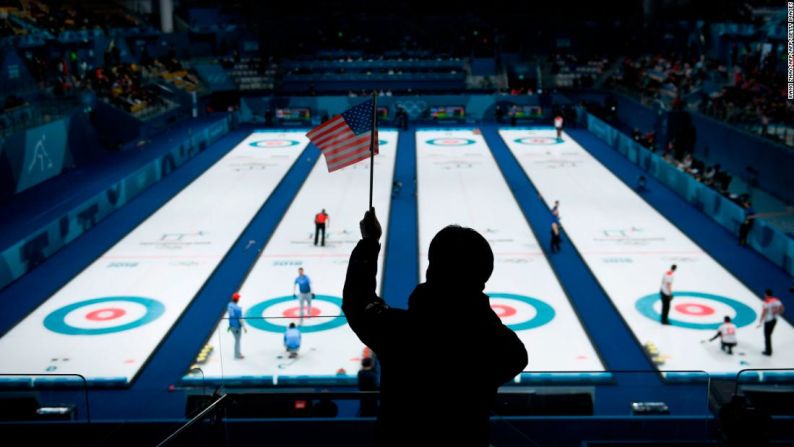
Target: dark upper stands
(349, 74)
(739, 78)
(73, 47)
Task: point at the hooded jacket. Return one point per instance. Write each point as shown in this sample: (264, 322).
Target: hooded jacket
(442, 359)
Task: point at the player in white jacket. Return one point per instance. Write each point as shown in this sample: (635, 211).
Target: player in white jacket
(727, 335)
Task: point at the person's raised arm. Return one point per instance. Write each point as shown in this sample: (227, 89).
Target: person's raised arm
(361, 305)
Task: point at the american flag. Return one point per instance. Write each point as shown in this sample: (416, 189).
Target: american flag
(345, 138)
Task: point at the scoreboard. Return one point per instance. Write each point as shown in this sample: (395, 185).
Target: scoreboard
(447, 112)
(294, 114)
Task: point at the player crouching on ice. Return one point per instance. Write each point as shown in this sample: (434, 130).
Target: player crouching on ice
(292, 340)
(727, 334)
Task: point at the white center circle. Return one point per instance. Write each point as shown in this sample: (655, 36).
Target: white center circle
(696, 310)
(284, 313)
(103, 313)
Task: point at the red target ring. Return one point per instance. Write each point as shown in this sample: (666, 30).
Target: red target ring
(535, 141)
(110, 313)
(450, 141)
(503, 311)
(294, 312)
(694, 309)
(273, 143)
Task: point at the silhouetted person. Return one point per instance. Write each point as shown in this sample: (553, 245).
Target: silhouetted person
(747, 223)
(449, 322)
(555, 237)
(641, 184)
(742, 425)
(402, 118)
(396, 187)
(368, 381)
(499, 114)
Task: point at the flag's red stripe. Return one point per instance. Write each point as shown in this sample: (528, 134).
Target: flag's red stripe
(363, 156)
(329, 148)
(343, 132)
(350, 161)
(333, 158)
(331, 145)
(345, 144)
(346, 153)
(322, 127)
(341, 129)
(341, 151)
(345, 135)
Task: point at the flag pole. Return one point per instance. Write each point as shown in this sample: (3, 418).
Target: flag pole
(372, 143)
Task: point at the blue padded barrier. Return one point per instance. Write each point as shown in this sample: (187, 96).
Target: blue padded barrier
(42, 242)
(536, 378)
(764, 237)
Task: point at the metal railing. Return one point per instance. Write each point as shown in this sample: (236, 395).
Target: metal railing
(212, 407)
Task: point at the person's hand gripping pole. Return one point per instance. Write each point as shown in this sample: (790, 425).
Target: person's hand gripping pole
(370, 227)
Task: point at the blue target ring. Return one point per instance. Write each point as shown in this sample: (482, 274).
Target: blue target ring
(450, 141)
(255, 319)
(56, 320)
(545, 313)
(273, 143)
(745, 315)
(538, 141)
